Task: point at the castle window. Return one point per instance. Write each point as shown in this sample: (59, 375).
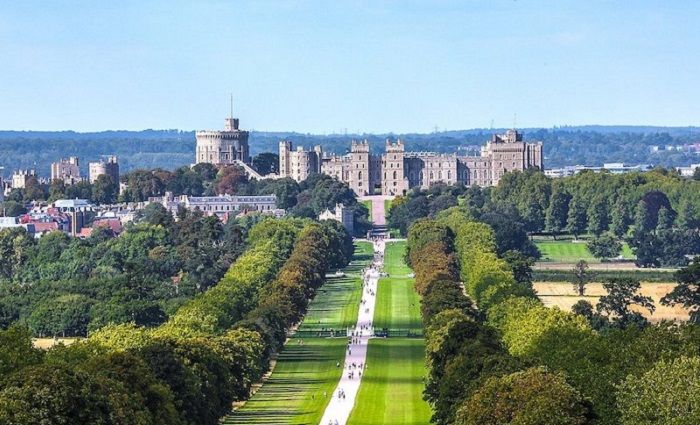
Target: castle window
(431, 175)
(449, 175)
(359, 175)
(394, 174)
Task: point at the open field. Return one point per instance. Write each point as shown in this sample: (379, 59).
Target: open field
(294, 393)
(569, 251)
(563, 295)
(46, 343)
(392, 386)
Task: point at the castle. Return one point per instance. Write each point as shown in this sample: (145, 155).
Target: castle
(396, 171)
(223, 147)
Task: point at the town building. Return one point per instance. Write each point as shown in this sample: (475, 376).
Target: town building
(102, 167)
(610, 167)
(342, 214)
(226, 147)
(397, 170)
(66, 169)
(20, 178)
(222, 206)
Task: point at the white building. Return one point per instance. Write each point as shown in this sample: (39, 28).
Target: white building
(341, 214)
(220, 205)
(109, 168)
(20, 177)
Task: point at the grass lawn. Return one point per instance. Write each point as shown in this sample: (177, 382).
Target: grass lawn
(567, 251)
(368, 204)
(392, 385)
(294, 392)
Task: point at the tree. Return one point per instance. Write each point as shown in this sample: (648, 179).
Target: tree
(266, 163)
(521, 267)
(621, 294)
(576, 219)
(669, 393)
(229, 180)
(585, 308)
(581, 277)
(619, 218)
(666, 219)
(598, 216)
(12, 209)
(687, 292)
(16, 350)
(105, 190)
(155, 214)
(558, 210)
(604, 246)
(533, 396)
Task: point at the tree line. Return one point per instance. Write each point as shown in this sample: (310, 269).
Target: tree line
(657, 212)
(190, 369)
(513, 360)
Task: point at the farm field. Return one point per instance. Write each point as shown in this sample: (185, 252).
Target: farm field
(562, 295)
(392, 386)
(568, 251)
(294, 393)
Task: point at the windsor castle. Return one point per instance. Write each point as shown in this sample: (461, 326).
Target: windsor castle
(397, 170)
(392, 173)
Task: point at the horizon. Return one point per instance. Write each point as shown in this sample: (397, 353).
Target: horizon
(364, 68)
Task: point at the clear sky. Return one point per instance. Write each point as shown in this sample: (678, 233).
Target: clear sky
(326, 66)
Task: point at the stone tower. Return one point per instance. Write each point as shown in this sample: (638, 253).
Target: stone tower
(223, 147)
(359, 169)
(393, 169)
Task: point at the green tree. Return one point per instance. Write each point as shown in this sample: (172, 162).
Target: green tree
(605, 246)
(558, 210)
(266, 163)
(621, 294)
(687, 292)
(581, 277)
(576, 218)
(16, 350)
(665, 220)
(598, 216)
(104, 190)
(533, 396)
(12, 209)
(619, 218)
(669, 393)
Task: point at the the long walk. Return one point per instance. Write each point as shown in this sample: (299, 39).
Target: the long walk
(343, 399)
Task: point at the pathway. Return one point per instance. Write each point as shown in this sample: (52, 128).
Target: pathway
(343, 398)
(378, 208)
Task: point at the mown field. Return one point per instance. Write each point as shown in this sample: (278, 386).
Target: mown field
(392, 385)
(305, 375)
(563, 295)
(569, 251)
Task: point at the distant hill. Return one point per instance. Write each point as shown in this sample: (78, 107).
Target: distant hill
(591, 145)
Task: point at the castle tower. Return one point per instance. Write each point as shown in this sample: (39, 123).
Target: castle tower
(284, 148)
(358, 174)
(393, 181)
(223, 147)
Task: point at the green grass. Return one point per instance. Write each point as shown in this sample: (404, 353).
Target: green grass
(392, 385)
(567, 251)
(368, 204)
(294, 392)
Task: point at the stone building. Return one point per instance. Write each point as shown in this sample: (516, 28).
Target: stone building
(223, 147)
(342, 214)
(396, 171)
(109, 168)
(20, 177)
(66, 169)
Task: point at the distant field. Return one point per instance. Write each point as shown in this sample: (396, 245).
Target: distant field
(562, 295)
(568, 251)
(46, 343)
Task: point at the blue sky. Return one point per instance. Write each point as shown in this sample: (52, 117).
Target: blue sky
(326, 66)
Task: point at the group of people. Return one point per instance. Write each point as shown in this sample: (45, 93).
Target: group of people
(353, 369)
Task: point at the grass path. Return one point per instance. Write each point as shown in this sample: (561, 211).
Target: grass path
(392, 385)
(294, 393)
